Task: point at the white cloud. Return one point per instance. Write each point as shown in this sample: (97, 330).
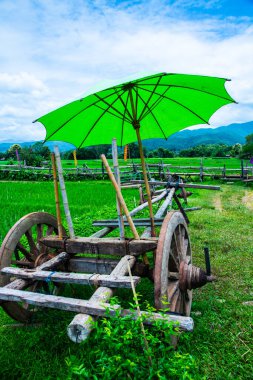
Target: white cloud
(54, 52)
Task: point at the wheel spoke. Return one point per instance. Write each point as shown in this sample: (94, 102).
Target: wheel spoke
(16, 253)
(177, 238)
(23, 250)
(172, 289)
(39, 232)
(31, 242)
(174, 258)
(174, 300)
(50, 230)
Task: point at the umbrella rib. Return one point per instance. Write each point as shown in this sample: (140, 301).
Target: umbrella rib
(113, 114)
(124, 105)
(110, 106)
(181, 105)
(72, 117)
(191, 88)
(150, 97)
(154, 104)
(157, 122)
(123, 121)
(94, 124)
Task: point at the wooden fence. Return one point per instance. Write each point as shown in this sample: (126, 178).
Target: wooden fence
(133, 171)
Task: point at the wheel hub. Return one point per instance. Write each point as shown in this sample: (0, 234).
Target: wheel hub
(192, 277)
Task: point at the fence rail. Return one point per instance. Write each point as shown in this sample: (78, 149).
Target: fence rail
(134, 171)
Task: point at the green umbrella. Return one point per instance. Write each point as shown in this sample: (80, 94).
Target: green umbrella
(151, 107)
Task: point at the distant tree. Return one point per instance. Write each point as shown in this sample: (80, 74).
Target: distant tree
(134, 151)
(162, 153)
(11, 153)
(209, 150)
(236, 150)
(40, 149)
(247, 149)
(30, 157)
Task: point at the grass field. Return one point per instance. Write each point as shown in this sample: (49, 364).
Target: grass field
(231, 163)
(221, 346)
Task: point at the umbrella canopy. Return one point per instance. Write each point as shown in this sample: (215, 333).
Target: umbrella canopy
(154, 106)
(161, 104)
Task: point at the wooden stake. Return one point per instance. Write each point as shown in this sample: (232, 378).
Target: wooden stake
(117, 176)
(146, 181)
(56, 194)
(120, 197)
(64, 193)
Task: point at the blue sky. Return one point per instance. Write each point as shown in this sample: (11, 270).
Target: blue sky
(52, 52)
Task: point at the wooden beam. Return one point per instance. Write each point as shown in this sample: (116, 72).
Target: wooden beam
(181, 185)
(81, 326)
(71, 278)
(91, 265)
(50, 264)
(83, 306)
(105, 246)
(138, 222)
(55, 302)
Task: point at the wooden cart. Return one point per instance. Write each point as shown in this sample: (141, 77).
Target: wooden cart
(33, 256)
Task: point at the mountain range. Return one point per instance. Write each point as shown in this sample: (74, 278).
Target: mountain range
(230, 135)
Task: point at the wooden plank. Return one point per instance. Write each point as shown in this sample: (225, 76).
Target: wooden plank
(50, 264)
(109, 246)
(55, 302)
(72, 278)
(91, 265)
(186, 185)
(160, 212)
(138, 222)
(83, 306)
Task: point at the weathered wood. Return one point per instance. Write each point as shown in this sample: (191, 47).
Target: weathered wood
(91, 265)
(50, 264)
(109, 246)
(120, 197)
(83, 306)
(105, 231)
(63, 192)
(71, 278)
(82, 324)
(181, 208)
(186, 185)
(117, 177)
(179, 321)
(138, 222)
(160, 212)
(55, 302)
(189, 209)
(56, 195)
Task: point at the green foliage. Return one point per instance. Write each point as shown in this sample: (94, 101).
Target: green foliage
(247, 149)
(161, 153)
(117, 351)
(211, 150)
(12, 150)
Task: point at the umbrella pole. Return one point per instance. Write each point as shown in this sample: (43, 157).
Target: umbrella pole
(145, 176)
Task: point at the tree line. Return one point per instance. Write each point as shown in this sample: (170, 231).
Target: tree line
(37, 153)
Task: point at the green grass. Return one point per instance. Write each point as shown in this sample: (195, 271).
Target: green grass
(221, 346)
(231, 163)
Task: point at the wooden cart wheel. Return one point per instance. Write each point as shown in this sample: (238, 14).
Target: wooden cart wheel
(173, 252)
(22, 248)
